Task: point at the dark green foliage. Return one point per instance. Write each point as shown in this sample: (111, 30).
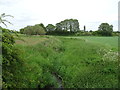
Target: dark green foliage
(50, 28)
(105, 29)
(42, 25)
(116, 33)
(22, 31)
(84, 28)
(11, 60)
(7, 37)
(83, 33)
(66, 27)
(71, 25)
(95, 33)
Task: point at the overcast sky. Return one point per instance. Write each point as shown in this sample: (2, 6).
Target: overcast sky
(88, 12)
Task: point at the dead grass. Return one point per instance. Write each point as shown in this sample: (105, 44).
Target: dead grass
(30, 40)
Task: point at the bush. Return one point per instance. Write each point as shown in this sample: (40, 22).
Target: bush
(105, 29)
(11, 60)
(37, 29)
(81, 33)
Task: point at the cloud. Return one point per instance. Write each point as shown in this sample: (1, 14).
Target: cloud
(89, 12)
(8, 3)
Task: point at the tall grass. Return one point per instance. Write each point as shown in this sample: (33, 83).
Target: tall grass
(82, 66)
(79, 64)
(38, 63)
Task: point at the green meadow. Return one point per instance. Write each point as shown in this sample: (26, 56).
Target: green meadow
(69, 62)
(111, 42)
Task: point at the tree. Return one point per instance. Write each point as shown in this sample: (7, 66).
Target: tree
(42, 25)
(28, 30)
(84, 28)
(2, 20)
(37, 29)
(22, 31)
(69, 25)
(50, 27)
(105, 29)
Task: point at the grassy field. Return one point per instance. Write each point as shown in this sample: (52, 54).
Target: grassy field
(78, 62)
(111, 42)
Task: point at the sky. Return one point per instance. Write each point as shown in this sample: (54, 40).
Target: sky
(90, 13)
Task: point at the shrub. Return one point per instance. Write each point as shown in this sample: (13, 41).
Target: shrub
(37, 29)
(11, 60)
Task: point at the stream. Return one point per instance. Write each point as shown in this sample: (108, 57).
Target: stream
(59, 81)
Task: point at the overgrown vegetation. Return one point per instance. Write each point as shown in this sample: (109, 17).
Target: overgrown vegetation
(39, 65)
(78, 63)
(84, 65)
(11, 60)
(54, 61)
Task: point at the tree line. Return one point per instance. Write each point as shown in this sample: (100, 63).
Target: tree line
(67, 27)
